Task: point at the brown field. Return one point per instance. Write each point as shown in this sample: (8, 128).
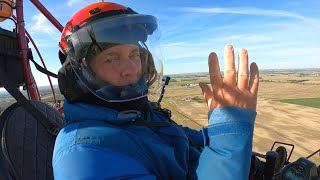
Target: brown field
(276, 121)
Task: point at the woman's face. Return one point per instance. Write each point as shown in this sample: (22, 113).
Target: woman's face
(119, 65)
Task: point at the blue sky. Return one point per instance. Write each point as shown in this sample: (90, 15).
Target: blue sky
(277, 35)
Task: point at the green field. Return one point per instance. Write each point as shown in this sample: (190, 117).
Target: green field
(310, 102)
(184, 82)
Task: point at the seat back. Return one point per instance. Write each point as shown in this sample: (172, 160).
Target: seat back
(4, 167)
(27, 146)
(10, 57)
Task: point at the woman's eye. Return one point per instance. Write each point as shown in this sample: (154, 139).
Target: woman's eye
(109, 60)
(135, 55)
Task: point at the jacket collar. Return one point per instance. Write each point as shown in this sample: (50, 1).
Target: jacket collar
(87, 112)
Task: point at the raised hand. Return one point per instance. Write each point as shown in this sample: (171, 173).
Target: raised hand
(230, 90)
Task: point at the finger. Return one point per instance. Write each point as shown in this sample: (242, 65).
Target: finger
(206, 91)
(229, 66)
(254, 79)
(243, 74)
(214, 71)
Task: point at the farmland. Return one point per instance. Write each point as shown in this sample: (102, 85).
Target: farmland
(288, 108)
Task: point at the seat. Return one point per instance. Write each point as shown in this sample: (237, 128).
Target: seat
(27, 146)
(10, 57)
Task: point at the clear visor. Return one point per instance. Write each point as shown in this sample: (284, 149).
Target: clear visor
(118, 59)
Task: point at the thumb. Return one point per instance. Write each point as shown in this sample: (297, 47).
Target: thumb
(206, 91)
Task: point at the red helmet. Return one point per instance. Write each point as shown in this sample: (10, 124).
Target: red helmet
(100, 26)
(90, 13)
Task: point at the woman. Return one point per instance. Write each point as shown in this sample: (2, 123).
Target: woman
(114, 132)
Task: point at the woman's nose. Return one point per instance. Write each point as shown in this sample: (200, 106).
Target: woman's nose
(128, 67)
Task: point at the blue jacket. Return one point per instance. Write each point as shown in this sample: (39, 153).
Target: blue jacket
(101, 145)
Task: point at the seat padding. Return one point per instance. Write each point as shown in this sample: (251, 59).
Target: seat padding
(26, 143)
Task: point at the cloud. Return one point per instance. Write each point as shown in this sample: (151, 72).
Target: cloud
(248, 38)
(182, 50)
(253, 11)
(76, 2)
(70, 2)
(268, 49)
(40, 24)
(285, 64)
(201, 48)
(288, 40)
(174, 44)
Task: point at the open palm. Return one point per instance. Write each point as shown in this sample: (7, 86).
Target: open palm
(230, 90)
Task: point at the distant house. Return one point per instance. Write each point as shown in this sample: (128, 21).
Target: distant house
(315, 75)
(186, 99)
(191, 85)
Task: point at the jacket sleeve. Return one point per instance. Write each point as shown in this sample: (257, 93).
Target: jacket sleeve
(85, 161)
(228, 147)
(195, 136)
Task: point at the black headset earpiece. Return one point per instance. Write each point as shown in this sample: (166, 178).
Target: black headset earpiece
(62, 57)
(71, 87)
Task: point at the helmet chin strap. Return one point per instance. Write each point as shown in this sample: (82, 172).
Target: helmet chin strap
(122, 93)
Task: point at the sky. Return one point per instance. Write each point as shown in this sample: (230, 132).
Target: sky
(282, 34)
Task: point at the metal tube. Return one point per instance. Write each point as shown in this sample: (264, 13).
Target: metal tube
(47, 14)
(30, 82)
(44, 65)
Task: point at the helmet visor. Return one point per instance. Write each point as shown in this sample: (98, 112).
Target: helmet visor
(95, 38)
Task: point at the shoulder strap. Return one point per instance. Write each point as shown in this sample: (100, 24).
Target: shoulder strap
(161, 124)
(148, 123)
(41, 69)
(52, 128)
